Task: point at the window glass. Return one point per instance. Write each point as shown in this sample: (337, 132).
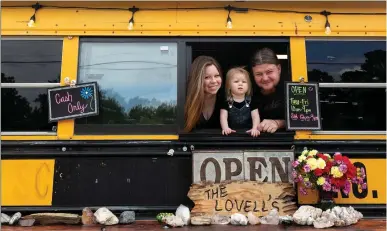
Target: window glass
(355, 109)
(31, 61)
(24, 109)
(346, 61)
(349, 109)
(137, 81)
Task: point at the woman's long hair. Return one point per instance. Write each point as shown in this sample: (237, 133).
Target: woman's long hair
(195, 90)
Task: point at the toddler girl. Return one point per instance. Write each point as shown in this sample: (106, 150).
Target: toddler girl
(239, 112)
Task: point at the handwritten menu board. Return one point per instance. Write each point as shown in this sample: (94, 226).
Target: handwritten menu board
(303, 106)
(73, 101)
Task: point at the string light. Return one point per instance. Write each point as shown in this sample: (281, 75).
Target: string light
(327, 24)
(131, 21)
(36, 7)
(229, 8)
(229, 21)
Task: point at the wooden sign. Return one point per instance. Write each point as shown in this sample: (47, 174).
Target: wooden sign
(73, 101)
(272, 166)
(229, 197)
(303, 106)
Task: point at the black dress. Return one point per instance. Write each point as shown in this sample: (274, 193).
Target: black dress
(214, 121)
(239, 113)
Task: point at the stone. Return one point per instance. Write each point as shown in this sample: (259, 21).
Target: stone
(184, 213)
(306, 215)
(338, 216)
(127, 217)
(105, 217)
(253, 220)
(286, 220)
(55, 218)
(5, 218)
(162, 216)
(220, 220)
(26, 222)
(174, 221)
(201, 220)
(326, 220)
(88, 217)
(271, 219)
(238, 219)
(15, 218)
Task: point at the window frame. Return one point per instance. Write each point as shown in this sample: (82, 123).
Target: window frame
(32, 85)
(183, 63)
(348, 85)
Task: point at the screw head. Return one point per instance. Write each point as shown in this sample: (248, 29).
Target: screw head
(308, 18)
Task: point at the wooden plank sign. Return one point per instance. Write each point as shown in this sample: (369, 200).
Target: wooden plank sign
(229, 197)
(303, 106)
(73, 101)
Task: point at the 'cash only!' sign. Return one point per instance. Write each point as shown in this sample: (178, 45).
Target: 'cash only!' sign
(242, 182)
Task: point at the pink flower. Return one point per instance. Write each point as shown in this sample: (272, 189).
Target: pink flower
(362, 173)
(327, 186)
(343, 168)
(347, 187)
(294, 174)
(306, 168)
(308, 184)
(334, 189)
(295, 163)
(300, 179)
(303, 191)
(337, 153)
(364, 186)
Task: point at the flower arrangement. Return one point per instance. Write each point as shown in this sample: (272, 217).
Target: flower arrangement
(325, 173)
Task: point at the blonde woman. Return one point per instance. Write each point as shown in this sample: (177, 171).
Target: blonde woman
(239, 112)
(202, 105)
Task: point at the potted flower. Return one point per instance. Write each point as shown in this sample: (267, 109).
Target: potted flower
(328, 175)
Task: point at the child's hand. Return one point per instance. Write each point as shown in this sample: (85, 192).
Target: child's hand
(254, 132)
(227, 131)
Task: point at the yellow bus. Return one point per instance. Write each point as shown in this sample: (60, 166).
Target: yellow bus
(134, 155)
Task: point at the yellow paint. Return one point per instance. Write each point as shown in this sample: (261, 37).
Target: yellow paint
(376, 180)
(195, 22)
(69, 69)
(305, 136)
(126, 137)
(27, 182)
(29, 137)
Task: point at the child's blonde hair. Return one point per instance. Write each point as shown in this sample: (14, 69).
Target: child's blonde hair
(229, 76)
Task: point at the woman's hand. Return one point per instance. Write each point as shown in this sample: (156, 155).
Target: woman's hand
(254, 132)
(270, 126)
(227, 131)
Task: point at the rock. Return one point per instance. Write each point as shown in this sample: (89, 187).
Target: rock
(306, 215)
(253, 220)
(184, 213)
(326, 220)
(15, 218)
(201, 220)
(174, 221)
(286, 220)
(161, 216)
(55, 218)
(88, 217)
(238, 219)
(271, 219)
(338, 216)
(5, 218)
(105, 217)
(220, 220)
(127, 217)
(26, 222)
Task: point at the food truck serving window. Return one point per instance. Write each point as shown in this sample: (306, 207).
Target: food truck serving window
(28, 68)
(137, 84)
(352, 79)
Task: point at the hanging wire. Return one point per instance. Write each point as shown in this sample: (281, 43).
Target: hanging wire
(236, 9)
(131, 21)
(327, 24)
(36, 7)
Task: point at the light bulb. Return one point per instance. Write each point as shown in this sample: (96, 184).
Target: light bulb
(327, 30)
(229, 24)
(31, 23)
(130, 26)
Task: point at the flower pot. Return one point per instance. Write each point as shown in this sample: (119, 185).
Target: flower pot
(325, 200)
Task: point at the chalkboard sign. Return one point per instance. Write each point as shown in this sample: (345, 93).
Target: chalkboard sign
(303, 106)
(73, 101)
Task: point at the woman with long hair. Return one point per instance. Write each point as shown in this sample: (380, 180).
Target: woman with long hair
(202, 107)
